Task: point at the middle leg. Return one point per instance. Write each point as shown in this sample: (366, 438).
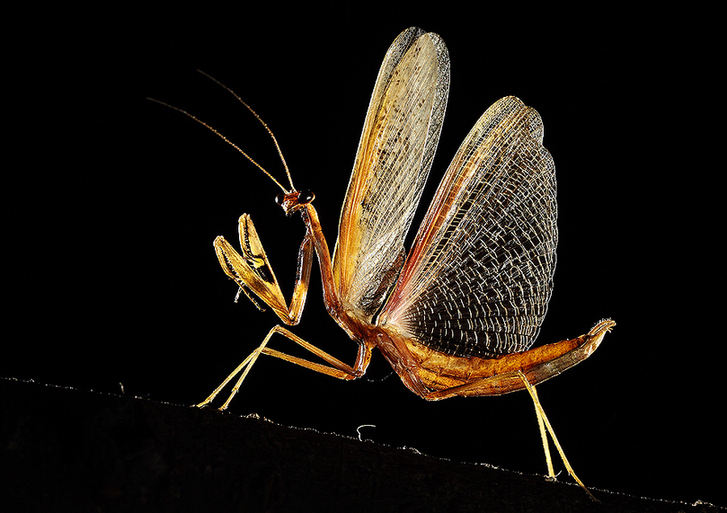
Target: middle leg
(333, 367)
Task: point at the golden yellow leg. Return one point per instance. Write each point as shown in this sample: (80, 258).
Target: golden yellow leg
(544, 419)
(335, 368)
(544, 438)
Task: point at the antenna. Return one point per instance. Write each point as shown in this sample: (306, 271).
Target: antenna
(216, 132)
(233, 93)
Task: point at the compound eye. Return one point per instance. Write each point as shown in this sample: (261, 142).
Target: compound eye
(305, 196)
(279, 198)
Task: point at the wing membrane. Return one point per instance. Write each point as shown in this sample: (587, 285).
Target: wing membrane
(479, 276)
(395, 153)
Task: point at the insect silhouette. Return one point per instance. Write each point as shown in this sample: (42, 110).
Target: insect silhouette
(458, 313)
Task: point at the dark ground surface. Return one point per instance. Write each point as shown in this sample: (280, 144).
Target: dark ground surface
(69, 450)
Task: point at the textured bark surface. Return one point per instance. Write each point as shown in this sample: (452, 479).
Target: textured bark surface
(68, 450)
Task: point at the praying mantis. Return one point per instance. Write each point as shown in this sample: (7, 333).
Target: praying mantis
(458, 312)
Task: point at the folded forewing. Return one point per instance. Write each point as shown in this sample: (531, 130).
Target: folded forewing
(395, 153)
(479, 276)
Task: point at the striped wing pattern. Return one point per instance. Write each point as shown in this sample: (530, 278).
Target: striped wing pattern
(479, 275)
(395, 154)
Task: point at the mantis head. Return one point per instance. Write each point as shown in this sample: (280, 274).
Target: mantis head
(294, 200)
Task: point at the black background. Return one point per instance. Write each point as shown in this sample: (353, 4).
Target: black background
(114, 201)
